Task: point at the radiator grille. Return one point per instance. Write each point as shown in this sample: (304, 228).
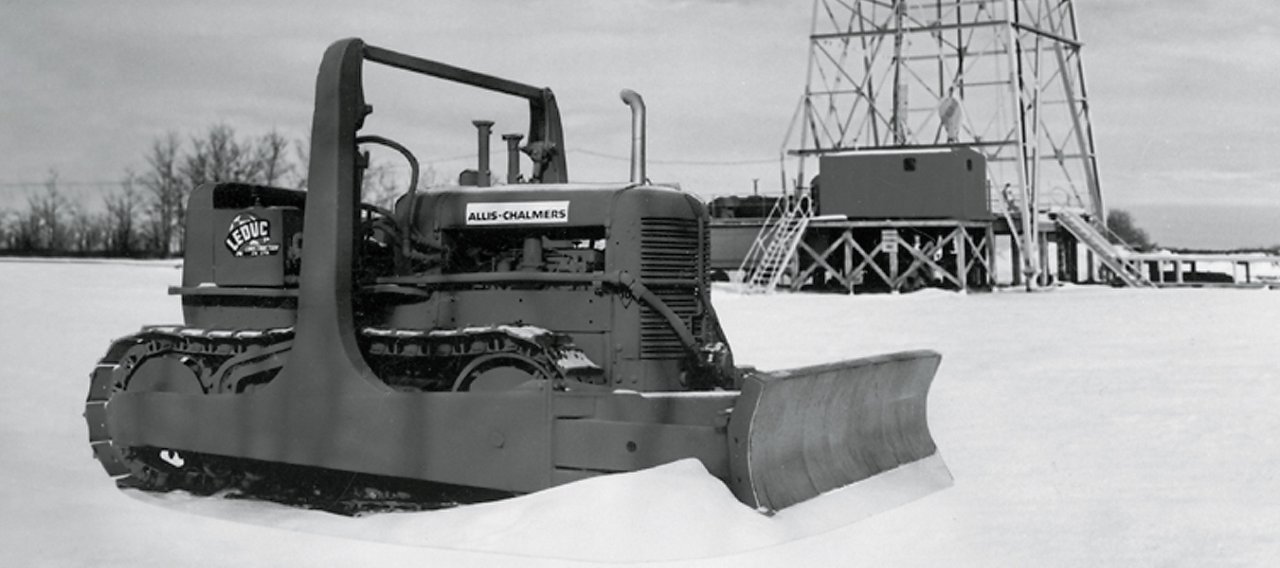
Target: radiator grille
(669, 249)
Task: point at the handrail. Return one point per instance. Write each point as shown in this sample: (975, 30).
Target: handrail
(775, 244)
(1107, 252)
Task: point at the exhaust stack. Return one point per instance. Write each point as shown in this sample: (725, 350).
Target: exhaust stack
(636, 103)
(513, 157)
(482, 132)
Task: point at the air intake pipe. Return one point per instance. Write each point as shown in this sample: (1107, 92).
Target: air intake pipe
(636, 103)
(482, 133)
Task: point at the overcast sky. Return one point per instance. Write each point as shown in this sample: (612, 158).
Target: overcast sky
(1183, 92)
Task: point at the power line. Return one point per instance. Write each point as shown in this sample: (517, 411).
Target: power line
(428, 161)
(502, 152)
(680, 162)
(61, 183)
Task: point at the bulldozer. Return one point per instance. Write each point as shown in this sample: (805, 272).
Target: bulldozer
(472, 342)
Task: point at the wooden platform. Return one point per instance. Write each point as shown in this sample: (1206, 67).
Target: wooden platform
(895, 255)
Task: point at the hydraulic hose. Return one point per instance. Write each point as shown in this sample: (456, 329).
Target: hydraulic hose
(405, 222)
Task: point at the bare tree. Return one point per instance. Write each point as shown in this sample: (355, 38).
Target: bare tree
(428, 177)
(47, 217)
(26, 233)
(8, 229)
(148, 213)
(173, 172)
(167, 203)
(121, 218)
(271, 155)
(218, 156)
(87, 231)
(302, 155)
(1124, 228)
(378, 186)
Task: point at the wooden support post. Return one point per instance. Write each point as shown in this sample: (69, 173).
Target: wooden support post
(1092, 265)
(1016, 256)
(847, 253)
(1075, 253)
(891, 236)
(992, 254)
(816, 240)
(1044, 261)
(1060, 254)
(962, 268)
(820, 263)
(1177, 271)
(1072, 247)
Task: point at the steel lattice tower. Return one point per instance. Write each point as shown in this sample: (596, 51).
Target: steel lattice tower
(1004, 77)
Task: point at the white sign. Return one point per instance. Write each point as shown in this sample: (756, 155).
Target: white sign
(250, 235)
(890, 239)
(514, 213)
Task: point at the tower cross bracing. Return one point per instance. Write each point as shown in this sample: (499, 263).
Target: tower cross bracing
(1004, 77)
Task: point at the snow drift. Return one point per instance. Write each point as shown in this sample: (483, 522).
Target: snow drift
(1084, 426)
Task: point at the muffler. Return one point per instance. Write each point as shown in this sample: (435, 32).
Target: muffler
(636, 102)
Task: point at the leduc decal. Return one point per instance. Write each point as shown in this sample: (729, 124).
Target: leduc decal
(514, 213)
(250, 235)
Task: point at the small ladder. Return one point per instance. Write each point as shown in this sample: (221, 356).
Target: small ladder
(775, 245)
(1112, 256)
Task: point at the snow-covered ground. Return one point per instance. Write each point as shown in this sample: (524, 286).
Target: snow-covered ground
(1083, 426)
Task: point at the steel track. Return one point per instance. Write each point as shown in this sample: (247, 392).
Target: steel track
(238, 362)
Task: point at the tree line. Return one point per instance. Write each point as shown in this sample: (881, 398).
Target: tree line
(145, 215)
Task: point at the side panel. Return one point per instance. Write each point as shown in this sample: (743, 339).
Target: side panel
(521, 440)
(653, 236)
(581, 313)
(257, 312)
(658, 236)
(731, 241)
(256, 290)
(494, 440)
(197, 256)
(947, 184)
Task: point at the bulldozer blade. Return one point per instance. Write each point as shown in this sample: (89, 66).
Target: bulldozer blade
(798, 433)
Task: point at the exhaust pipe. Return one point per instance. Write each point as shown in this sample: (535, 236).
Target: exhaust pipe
(482, 174)
(636, 103)
(513, 157)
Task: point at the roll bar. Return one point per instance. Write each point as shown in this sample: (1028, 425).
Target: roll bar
(326, 336)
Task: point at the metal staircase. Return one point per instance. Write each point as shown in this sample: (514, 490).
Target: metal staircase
(775, 245)
(1114, 257)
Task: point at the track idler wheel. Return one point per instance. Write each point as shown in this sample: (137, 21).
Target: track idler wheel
(501, 371)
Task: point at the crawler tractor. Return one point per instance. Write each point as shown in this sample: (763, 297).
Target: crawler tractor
(477, 341)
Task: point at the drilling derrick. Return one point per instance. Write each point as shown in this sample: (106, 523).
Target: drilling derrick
(1002, 78)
